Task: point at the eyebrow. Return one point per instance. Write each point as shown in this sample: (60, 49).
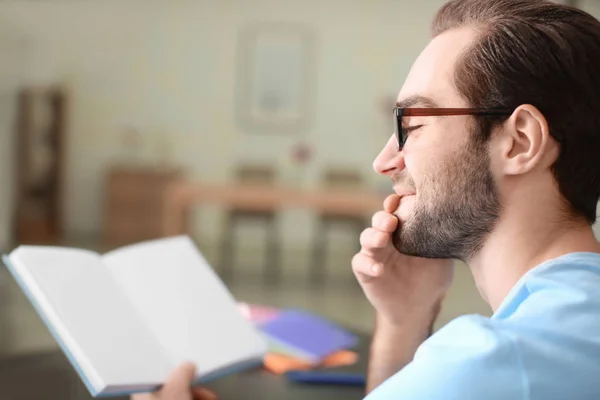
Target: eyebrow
(417, 100)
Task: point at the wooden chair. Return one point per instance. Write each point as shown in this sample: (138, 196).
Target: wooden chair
(260, 176)
(334, 178)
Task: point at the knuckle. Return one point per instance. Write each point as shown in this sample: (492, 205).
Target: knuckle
(380, 240)
(365, 235)
(372, 238)
(377, 217)
(358, 261)
(383, 221)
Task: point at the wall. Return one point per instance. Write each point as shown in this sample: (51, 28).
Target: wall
(168, 68)
(12, 67)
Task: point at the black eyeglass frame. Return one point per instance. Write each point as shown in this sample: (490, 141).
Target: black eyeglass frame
(399, 112)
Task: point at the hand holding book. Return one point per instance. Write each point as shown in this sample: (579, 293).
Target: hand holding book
(178, 387)
(126, 319)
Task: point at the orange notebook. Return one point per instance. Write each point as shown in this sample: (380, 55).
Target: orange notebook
(280, 363)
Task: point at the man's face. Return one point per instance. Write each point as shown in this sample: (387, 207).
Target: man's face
(449, 201)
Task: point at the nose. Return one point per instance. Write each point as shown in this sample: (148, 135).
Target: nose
(389, 161)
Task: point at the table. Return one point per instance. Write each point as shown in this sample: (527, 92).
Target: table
(50, 376)
(181, 195)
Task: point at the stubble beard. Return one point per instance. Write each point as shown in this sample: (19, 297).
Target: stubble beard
(456, 210)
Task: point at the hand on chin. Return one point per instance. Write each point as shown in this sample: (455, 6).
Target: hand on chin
(405, 208)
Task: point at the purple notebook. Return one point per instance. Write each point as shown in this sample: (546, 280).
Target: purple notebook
(307, 335)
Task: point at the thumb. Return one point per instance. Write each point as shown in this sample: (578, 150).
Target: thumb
(182, 376)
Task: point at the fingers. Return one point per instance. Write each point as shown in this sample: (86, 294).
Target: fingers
(391, 203)
(373, 239)
(379, 235)
(365, 267)
(203, 394)
(143, 396)
(384, 221)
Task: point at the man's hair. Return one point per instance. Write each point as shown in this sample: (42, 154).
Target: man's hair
(544, 54)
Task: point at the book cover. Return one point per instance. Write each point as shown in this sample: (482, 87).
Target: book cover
(306, 335)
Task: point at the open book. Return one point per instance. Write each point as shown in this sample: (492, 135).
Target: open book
(125, 319)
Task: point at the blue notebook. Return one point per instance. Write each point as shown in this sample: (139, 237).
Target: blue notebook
(306, 336)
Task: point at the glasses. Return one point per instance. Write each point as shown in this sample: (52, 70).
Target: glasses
(401, 132)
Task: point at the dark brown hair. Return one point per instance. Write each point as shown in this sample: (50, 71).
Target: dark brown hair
(544, 54)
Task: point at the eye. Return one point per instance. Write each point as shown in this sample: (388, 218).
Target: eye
(410, 129)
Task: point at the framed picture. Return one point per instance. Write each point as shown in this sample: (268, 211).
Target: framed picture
(276, 78)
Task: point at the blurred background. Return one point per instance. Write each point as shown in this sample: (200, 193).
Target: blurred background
(250, 125)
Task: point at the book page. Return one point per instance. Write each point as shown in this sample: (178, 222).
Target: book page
(185, 303)
(92, 317)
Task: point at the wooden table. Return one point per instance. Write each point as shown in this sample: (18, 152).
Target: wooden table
(180, 196)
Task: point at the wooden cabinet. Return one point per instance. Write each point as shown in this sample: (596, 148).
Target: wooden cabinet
(39, 165)
(134, 203)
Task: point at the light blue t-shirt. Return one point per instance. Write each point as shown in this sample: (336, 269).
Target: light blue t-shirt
(543, 343)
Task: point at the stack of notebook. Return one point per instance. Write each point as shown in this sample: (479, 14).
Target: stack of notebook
(300, 340)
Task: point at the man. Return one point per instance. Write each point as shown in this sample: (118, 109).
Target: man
(496, 162)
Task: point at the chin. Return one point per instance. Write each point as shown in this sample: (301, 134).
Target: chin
(412, 240)
(404, 217)
(399, 239)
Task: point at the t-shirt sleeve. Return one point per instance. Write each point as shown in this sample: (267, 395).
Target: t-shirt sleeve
(468, 359)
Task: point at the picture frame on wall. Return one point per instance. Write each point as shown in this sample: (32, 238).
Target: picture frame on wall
(276, 78)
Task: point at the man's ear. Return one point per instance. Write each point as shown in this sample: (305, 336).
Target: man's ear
(526, 142)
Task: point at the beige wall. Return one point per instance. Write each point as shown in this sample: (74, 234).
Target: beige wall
(168, 68)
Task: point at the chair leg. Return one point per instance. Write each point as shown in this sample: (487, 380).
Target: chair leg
(273, 261)
(227, 248)
(317, 268)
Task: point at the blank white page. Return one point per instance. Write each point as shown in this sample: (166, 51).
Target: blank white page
(92, 316)
(184, 302)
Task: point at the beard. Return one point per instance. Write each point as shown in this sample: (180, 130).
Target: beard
(458, 208)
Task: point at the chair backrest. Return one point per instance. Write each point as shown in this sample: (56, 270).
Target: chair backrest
(255, 174)
(342, 178)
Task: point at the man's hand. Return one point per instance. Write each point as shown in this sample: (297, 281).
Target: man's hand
(178, 387)
(401, 288)
(405, 291)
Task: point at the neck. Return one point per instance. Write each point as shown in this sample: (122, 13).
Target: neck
(520, 242)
